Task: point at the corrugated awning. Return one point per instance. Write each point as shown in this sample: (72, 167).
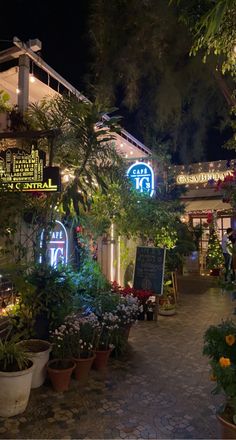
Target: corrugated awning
(207, 205)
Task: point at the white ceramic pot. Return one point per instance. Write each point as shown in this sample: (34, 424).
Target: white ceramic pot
(15, 391)
(38, 352)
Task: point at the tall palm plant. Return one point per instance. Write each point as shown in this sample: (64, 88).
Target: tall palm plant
(85, 146)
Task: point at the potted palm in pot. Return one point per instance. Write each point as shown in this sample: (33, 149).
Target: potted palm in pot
(220, 347)
(16, 370)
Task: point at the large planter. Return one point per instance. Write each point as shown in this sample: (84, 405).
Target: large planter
(167, 312)
(101, 359)
(38, 352)
(82, 369)
(59, 372)
(14, 391)
(227, 429)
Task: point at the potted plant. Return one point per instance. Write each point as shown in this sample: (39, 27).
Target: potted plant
(141, 295)
(127, 312)
(220, 347)
(83, 332)
(16, 370)
(109, 323)
(150, 310)
(47, 293)
(167, 303)
(61, 366)
(38, 351)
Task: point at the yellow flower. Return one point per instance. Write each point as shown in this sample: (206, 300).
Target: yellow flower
(224, 362)
(230, 339)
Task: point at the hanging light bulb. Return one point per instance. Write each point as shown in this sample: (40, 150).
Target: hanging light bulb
(32, 78)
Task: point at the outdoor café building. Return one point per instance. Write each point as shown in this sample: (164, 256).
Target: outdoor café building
(30, 80)
(202, 198)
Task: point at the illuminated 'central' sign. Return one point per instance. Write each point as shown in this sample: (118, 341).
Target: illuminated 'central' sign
(142, 177)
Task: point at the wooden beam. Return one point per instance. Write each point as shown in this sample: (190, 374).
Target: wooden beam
(30, 134)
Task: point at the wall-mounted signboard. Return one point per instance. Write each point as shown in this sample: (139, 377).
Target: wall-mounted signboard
(183, 179)
(22, 171)
(149, 269)
(57, 247)
(142, 177)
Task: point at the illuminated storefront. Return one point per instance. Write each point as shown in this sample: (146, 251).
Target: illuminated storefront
(29, 81)
(202, 199)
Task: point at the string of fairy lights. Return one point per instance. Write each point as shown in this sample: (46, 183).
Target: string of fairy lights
(227, 166)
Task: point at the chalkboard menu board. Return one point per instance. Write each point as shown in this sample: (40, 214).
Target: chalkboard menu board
(149, 269)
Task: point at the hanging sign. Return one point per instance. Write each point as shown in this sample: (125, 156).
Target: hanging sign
(57, 247)
(142, 177)
(149, 269)
(22, 171)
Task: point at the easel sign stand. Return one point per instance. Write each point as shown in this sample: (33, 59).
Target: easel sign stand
(149, 272)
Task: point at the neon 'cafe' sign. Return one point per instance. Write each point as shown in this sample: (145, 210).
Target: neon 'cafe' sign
(142, 177)
(57, 247)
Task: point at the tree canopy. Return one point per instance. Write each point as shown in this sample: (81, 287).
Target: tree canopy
(141, 62)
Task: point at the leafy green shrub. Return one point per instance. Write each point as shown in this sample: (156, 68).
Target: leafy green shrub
(220, 347)
(90, 278)
(13, 357)
(53, 292)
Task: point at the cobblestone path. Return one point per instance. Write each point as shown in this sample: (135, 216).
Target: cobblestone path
(161, 390)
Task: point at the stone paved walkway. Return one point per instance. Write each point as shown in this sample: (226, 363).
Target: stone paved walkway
(160, 391)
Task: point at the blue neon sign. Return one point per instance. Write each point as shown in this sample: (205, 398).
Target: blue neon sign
(57, 247)
(142, 177)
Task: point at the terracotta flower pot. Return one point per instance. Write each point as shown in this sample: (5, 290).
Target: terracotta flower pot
(83, 367)
(227, 429)
(59, 371)
(101, 359)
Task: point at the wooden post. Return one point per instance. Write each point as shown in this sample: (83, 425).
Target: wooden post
(174, 283)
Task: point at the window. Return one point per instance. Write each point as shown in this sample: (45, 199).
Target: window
(205, 236)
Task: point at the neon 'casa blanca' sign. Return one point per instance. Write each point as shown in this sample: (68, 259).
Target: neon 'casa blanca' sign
(57, 247)
(142, 177)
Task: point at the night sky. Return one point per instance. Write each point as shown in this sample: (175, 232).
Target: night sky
(63, 30)
(61, 27)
